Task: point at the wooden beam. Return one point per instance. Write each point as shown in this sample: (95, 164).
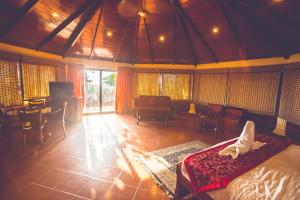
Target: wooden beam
(134, 46)
(65, 23)
(174, 37)
(232, 25)
(20, 14)
(188, 19)
(96, 31)
(186, 33)
(260, 25)
(149, 40)
(79, 28)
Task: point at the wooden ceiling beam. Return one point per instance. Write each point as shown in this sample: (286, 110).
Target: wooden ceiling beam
(185, 32)
(65, 23)
(232, 25)
(89, 13)
(174, 37)
(188, 19)
(259, 24)
(149, 40)
(135, 42)
(96, 31)
(20, 14)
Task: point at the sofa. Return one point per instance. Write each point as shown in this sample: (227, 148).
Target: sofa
(153, 108)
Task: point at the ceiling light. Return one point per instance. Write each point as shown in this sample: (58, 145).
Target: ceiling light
(277, 1)
(215, 30)
(108, 33)
(142, 13)
(162, 38)
(54, 14)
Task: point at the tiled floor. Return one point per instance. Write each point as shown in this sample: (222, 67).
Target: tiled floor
(96, 161)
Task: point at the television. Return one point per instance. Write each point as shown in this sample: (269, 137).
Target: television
(61, 90)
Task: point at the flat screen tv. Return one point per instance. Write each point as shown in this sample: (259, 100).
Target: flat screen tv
(61, 90)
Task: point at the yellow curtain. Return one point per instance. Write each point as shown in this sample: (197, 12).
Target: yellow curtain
(147, 84)
(36, 80)
(177, 86)
(10, 90)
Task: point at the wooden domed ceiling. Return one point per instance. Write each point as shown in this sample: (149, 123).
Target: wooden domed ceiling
(154, 31)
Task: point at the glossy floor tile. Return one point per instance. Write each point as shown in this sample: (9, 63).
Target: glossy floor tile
(96, 160)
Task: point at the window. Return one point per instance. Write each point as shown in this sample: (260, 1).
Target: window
(211, 88)
(290, 97)
(177, 86)
(36, 80)
(10, 86)
(254, 91)
(147, 84)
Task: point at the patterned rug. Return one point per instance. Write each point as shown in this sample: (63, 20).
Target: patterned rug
(162, 163)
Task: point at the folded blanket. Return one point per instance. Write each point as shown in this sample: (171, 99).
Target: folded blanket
(244, 143)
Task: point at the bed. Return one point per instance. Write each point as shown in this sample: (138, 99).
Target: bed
(276, 178)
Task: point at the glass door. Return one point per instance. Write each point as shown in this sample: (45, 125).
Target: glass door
(108, 91)
(100, 91)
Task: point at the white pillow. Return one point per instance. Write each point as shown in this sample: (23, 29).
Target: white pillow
(280, 127)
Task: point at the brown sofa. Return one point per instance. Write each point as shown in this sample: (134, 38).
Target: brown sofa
(153, 108)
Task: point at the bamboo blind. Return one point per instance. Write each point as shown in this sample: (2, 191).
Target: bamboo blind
(36, 80)
(177, 86)
(211, 88)
(254, 91)
(147, 84)
(10, 88)
(290, 97)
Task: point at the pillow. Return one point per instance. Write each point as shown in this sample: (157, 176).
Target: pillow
(280, 127)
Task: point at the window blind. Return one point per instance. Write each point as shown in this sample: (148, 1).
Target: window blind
(211, 88)
(177, 86)
(147, 84)
(10, 85)
(290, 97)
(36, 80)
(254, 91)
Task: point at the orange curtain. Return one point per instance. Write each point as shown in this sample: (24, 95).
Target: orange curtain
(75, 74)
(124, 90)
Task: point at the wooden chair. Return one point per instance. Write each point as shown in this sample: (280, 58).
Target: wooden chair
(32, 122)
(57, 117)
(212, 119)
(8, 123)
(36, 103)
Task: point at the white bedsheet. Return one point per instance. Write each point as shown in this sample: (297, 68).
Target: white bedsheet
(278, 178)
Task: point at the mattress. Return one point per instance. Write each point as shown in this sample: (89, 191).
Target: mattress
(277, 178)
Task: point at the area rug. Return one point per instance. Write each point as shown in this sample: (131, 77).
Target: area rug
(162, 163)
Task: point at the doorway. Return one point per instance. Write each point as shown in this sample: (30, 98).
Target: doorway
(99, 90)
